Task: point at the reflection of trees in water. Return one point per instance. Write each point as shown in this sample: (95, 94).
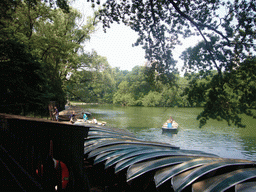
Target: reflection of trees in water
(249, 146)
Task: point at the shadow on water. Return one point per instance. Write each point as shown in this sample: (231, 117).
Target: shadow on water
(170, 133)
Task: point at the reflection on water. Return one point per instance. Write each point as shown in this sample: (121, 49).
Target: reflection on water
(170, 133)
(216, 137)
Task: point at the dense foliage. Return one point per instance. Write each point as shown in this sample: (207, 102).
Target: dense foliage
(40, 46)
(127, 88)
(93, 82)
(23, 86)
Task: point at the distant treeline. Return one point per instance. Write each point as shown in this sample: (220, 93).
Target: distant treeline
(139, 87)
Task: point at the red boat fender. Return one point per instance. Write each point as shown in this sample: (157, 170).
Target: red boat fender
(64, 172)
(41, 169)
(57, 165)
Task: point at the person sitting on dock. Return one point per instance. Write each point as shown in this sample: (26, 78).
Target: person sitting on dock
(169, 122)
(73, 117)
(94, 120)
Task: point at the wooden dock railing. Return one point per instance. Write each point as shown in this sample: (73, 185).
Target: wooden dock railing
(27, 149)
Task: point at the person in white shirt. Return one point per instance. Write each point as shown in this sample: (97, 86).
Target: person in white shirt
(94, 120)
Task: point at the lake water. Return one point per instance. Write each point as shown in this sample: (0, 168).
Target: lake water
(215, 137)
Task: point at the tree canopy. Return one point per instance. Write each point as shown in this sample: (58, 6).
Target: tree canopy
(94, 81)
(227, 29)
(23, 85)
(40, 46)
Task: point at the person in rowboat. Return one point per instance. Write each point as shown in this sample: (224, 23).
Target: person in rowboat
(169, 122)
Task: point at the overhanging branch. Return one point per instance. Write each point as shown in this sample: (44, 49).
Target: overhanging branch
(197, 26)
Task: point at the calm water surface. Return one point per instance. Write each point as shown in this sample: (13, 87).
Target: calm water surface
(216, 137)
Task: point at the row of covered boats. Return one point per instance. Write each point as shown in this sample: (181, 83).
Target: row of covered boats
(118, 161)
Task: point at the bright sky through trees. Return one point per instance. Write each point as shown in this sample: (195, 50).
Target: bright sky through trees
(116, 43)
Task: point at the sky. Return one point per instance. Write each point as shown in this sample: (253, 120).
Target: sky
(116, 43)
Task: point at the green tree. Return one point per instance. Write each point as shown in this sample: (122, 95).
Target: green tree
(120, 75)
(24, 88)
(50, 36)
(197, 89)
(152, 99)
(123, 95)
(94, 81)
(227, 29)
(236, 96)
(139, 86)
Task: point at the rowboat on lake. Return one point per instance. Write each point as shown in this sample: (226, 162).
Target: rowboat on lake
(170, 126)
